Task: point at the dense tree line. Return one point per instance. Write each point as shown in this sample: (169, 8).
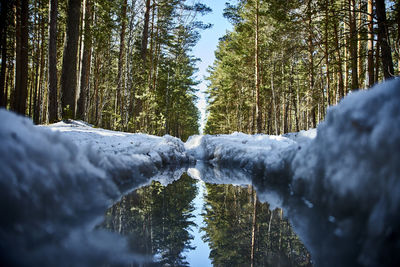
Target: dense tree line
(123, 65)
(285, 62)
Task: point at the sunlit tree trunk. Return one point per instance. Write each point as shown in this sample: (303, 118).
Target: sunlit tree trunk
(145, 34)
(86, 59)
(386, 53)
(3, 42)
(311, 80)
(120, 77)
(353, 45)
(257, 69)
(370, 64)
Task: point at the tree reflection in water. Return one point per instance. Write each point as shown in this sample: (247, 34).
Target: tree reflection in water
(157, 219)
(239, 230)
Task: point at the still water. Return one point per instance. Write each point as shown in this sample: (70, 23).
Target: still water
(193, 223)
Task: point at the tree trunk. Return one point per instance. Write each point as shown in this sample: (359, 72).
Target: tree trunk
(257, 69)
(353, 45)
(53, 98)
(21, 73)
(3, 43)
(386, 52)
(340, 63)
(398, 36)
(68, 75)
(311, 66)
(360, 59)
(86, 58)
(371, 78)
(145, 34)
(120, 77)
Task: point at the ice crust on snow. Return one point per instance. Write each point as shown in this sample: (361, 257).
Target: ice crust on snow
(338, 184)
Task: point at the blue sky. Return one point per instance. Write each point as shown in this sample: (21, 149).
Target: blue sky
(207, 45)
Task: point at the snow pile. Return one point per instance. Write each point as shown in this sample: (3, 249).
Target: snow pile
(302, 136)
(161, 151)
(350, 176)
(53, 192)
(240, 150)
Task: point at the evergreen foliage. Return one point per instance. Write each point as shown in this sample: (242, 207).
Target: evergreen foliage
(307, 55)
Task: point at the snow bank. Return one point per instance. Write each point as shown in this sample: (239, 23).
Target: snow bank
(350, 174)
(240, 150)
(161, 151)
(54, 192)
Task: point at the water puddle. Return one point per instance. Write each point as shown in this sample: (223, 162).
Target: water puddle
(190, 222)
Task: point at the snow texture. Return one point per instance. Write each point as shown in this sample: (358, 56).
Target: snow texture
(54, 190)
(246, 151)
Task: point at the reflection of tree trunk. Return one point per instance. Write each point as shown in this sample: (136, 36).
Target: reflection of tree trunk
(253, 229)
(269, 244)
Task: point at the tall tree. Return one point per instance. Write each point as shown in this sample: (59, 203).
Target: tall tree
(21, 74)
(5, 6)
(257, 67)
(145, 34)
(121, 60)
(383, 33)
(69, 66)
(81, 112)
(353, 45)
(370, 64)
(52, 73)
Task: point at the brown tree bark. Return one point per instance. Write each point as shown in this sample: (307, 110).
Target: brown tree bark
(353, 45)
(52, 73)
(398, 36)
(121, 60)
(145, 34)
(340, 63)
(21, 73)
(68, 75)
(86, 59)
(386, 52)
(258, 111)
(370, 64)
(3, 44)
(311, 79)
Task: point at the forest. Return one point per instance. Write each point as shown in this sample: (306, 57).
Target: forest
(128, 65)
(286, 62)
(124, 65)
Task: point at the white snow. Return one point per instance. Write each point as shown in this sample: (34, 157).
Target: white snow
(339, 184)
(159, 150)
(238, 149)
(55, 186)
